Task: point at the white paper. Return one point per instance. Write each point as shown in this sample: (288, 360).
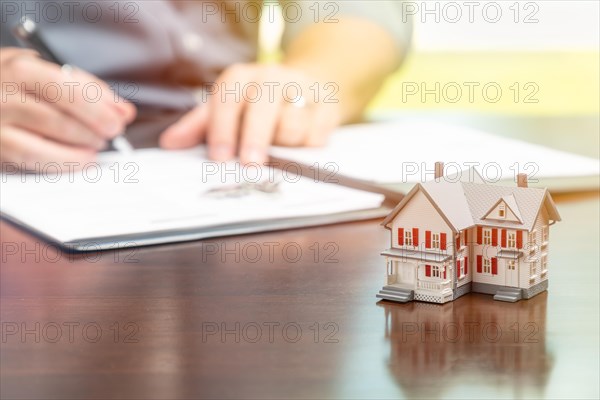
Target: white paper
(156, 190)
(390, 152)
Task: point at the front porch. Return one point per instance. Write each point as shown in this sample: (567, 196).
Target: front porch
(417, 275)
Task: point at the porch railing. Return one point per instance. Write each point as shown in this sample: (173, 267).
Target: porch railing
(433, 285)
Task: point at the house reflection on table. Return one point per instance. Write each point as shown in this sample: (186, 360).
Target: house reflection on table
(470, 344)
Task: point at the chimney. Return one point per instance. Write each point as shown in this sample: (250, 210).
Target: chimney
(439, 170)
(522, 180)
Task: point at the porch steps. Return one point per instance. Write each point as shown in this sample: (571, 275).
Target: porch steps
(396, 294)
(509, 294)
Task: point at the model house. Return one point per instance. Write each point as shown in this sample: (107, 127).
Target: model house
(456, 235)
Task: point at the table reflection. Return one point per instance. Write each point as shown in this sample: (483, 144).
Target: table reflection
(474, 342)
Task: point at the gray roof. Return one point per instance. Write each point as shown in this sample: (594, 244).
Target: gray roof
(511, 203)
(529, 202)
(465, 204)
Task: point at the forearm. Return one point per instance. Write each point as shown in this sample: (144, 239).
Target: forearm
(355, 54)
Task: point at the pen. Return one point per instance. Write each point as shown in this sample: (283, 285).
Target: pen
(27, 31)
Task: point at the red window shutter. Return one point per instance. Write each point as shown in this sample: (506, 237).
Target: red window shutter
(466, 265)
(427, 239)
(466, 237)
(494, 266)
(458, 241)
(519, 239)
(479, 264)
(427, 270)
(443, 241)
(401, 236)
(503, 238)
(494, 237)
(416, 237)
(479, 235)
(445, 272)
(458, 268)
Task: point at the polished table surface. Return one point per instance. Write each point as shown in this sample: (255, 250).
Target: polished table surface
(289, 315)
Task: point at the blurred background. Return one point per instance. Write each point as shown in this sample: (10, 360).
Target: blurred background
(544, 55)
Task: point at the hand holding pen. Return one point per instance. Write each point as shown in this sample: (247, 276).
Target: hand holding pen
(46, 113)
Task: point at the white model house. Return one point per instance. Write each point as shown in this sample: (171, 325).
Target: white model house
(453, 236)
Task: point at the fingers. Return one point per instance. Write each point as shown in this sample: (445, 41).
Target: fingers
(49, 122)
(52, 116)
(325, 120)
(224, 123)
(77, 94)
(258, 129)
(188, 132)
(294, 125)
(28, 150)
(248, 121)
(126, 109)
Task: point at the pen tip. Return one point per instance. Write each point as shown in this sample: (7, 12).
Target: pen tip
(122, 145)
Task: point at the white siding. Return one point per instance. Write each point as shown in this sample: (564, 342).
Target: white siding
(467, 252)
(538, 251)
(420, 213)
(487, 251)
(490, 251)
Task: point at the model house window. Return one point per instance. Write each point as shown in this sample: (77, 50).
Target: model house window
(487, 236)
(408, 239)
(463, 239)
(532, 238)
(510, 265)
(435, 240)
(533, 269)
(532, 241)
(544, 264)
(462, 267)
(487, 266)
(512, 241)
(435, 271)
(501, 211)
(545, 234)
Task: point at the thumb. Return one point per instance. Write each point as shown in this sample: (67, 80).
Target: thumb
(188, 132)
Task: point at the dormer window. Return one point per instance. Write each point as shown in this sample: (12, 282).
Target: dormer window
(501, 211)
(505, 209)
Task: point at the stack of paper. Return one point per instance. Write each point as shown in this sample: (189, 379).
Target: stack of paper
(157, 196)
(397, 152)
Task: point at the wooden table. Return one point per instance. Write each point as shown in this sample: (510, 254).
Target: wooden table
(288, 315)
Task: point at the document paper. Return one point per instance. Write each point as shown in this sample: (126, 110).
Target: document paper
(406, 152)
(156, 191)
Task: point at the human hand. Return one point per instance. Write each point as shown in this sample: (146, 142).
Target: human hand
(263, 113)
(47, 115)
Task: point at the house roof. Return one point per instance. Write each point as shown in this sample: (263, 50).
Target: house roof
(465, 204)
(511, 203)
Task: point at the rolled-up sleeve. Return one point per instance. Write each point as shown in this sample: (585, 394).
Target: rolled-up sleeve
(389, 15)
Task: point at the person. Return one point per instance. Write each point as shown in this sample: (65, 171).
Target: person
(336, 55)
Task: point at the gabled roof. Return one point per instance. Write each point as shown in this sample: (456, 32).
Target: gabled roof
(510, 203)
(528, 202)
(463, 204)
(470, 175)
(418, 187)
